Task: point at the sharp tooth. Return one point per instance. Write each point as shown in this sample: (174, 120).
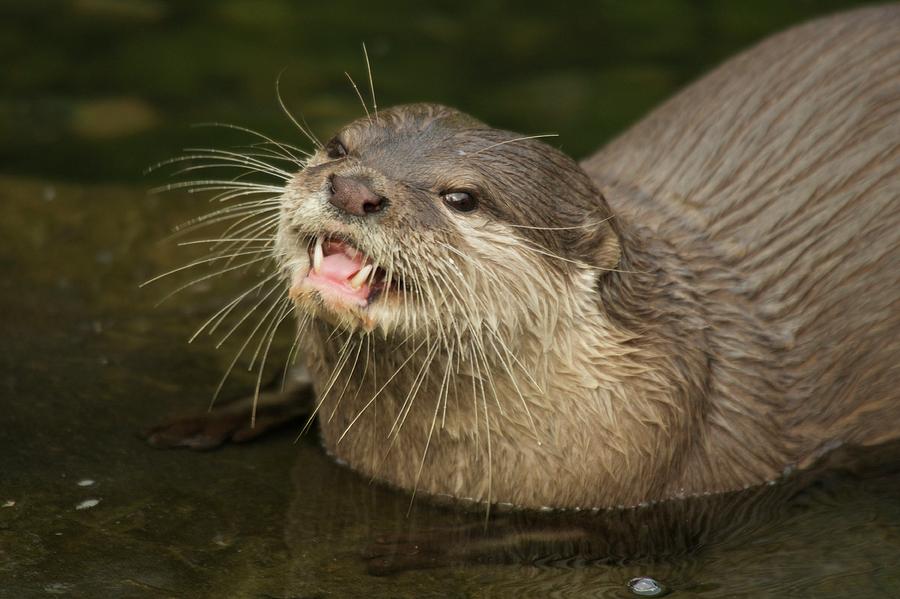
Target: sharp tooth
(359, 278)
(318, 255)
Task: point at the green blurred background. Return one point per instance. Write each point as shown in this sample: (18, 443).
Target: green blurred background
(98, 90)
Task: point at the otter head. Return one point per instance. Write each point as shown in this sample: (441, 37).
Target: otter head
(422, 220)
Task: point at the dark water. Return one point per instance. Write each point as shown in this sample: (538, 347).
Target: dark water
(94, 91)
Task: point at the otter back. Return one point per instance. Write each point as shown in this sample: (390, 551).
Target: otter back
(783, 164)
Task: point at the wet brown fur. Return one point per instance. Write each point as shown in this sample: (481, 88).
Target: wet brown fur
(710, 299)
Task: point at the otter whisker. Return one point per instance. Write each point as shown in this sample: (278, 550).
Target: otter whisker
(266, 240)
(521, 366)
(258, 217)
(242, 349)
(445, 391)
(237, 325)
(253, 229)
(347, 383)
(371, 82)
(580, 263)
(338, 369)
(589, 225)
(287, 148)
(413, 391)
(194, 264)
(295, 349)
(479, 344)
(369, 360)
(487, 427)
(261, 161)
(366, 362)
(309, 134)
(509, 141)
(242, 210)
(474, 395)
(425, 281)
(227, 308)
(382, 388)
(358, 94)
(214, 185)
(246, 207)
(254, 153)
(487, 273)
(456, 295)
(240, 227)
(247, 197)
(263, 150)
(250, 225)
(515, 384)
(276, 319)
(285, 312)
(243, 169)
(415, 488)
(226, 159)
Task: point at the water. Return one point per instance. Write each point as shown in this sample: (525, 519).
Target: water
(87, 361)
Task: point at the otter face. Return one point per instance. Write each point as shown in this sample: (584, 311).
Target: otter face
(423, 220)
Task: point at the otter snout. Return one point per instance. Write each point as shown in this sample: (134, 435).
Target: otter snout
(353, 196)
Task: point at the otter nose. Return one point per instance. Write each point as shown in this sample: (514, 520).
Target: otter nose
(353, 196)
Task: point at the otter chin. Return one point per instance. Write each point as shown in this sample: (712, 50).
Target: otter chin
(708, 301)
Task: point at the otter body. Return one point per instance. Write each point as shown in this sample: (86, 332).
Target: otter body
(711, 299)
(718, 302)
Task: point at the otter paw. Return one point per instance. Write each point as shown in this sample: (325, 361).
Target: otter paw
(207, 431)
(198, 432)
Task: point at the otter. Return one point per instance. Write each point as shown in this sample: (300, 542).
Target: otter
(711, 299)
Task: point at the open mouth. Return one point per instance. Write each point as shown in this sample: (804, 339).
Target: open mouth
(341, 271)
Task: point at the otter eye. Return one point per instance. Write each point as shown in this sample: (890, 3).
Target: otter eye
(461, 201)
(335, 149)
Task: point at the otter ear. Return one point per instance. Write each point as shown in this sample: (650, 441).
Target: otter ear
(600, 243)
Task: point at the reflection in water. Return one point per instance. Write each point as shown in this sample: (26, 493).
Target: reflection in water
(775, 538)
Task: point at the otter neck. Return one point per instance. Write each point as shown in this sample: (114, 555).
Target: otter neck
(712, 346)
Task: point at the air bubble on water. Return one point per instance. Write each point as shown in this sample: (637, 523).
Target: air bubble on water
(644, 586)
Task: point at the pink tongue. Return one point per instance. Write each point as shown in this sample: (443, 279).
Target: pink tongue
(339, 267)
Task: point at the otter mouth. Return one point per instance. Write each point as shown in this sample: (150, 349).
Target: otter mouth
(340, 271)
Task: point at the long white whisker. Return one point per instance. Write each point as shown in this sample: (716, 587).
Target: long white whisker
(509, 141)
(371, 82)
(284, 108)
(237, 325)
(343, 356)
(227, 308)
(589, 225)
(358, 94)
(377, 393)
(285, 147)
(285, 312)
(194, 264)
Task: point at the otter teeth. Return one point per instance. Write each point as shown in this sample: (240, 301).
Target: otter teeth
(359, 278)
(318, 254)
